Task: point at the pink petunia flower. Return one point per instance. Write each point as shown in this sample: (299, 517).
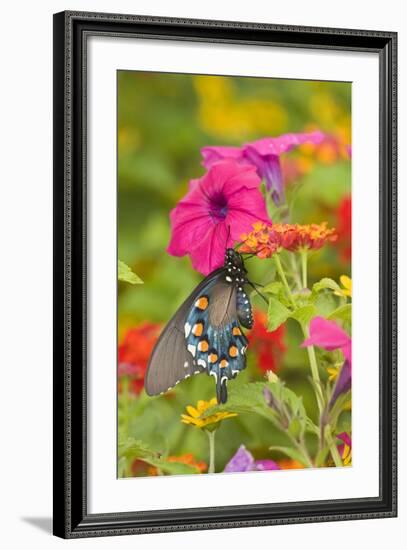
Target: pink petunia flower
(218, 208)
(330, 336)
(264, 154)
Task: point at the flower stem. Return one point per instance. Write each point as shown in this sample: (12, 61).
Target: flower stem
(332, 447)
(211, 438)
(283, 278)
(304, 261)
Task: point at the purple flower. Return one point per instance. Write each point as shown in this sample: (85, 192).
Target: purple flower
(243, 461)
(264, 154)
(343, 383)
(218, 208)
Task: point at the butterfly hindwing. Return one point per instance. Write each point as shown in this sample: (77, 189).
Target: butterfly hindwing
(213, 335)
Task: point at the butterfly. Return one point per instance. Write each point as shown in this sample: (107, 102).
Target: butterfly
(205, 334)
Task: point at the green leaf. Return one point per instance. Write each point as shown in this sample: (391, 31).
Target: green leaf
(321, 457)
(295, 428)
(124, 273)
(325, 283)
(304, 314)
(134, 448)
(130, 448)
(277, 314)
(121, 467)
(273, 288)
(343, 313)
(291, 452)
(172, 468)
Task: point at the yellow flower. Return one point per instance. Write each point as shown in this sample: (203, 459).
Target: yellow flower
(195, 415)
(333, 373)
(346, 283)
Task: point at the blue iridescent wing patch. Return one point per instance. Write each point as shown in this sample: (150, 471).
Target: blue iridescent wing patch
(213, 334)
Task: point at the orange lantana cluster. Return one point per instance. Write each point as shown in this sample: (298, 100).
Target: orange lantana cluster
(265, 240)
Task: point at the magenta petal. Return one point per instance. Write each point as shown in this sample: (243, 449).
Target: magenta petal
(266, 464)
(242, 461)
(209, 252)
(327, 334)
(212, 154)
(284, 143)
(343, 436)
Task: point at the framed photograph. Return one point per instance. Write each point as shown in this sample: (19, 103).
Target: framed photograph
(224, 274)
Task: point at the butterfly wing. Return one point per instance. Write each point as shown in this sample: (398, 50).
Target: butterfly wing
(213, 335)
(170, 360)
(203, 336)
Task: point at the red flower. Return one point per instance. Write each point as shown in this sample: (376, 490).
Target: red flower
(344, 231)
(134, 353)
(268, 346)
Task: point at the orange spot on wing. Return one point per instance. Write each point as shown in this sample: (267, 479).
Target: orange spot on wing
(223, 364)
(202, 303)
(203, 345)
(233, 351)
(212, 358)
(236, 331)
(197, 329)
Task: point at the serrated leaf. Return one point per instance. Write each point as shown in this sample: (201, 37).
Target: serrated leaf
(304, 314)
(325, 283)
(277, 314)
(125, 273)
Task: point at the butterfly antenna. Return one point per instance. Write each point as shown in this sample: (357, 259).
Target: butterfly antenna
(258, 292)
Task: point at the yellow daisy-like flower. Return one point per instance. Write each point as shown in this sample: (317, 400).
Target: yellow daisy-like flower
(195, 415)
(346, 283)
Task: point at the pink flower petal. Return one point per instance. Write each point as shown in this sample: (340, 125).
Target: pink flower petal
(209, 252)
(328, 335)
(284, 143)
(212, 154)
(218, 208)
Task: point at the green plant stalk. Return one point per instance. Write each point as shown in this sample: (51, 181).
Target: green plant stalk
(314, 370)
(283, 278)
(211, 438)
(304, 267)
(332, 447)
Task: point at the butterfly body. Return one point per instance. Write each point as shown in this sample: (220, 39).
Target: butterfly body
(205, 334)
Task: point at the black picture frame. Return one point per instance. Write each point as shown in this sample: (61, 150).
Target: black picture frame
(71, 518)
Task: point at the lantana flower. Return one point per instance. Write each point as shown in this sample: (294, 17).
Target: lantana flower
(243, 461)
(265, 240)
(196, 418)
(134, 353)
(264, 155)
(268, 347)
(218, 207)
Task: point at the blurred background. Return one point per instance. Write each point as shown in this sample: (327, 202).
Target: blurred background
(163, 122)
